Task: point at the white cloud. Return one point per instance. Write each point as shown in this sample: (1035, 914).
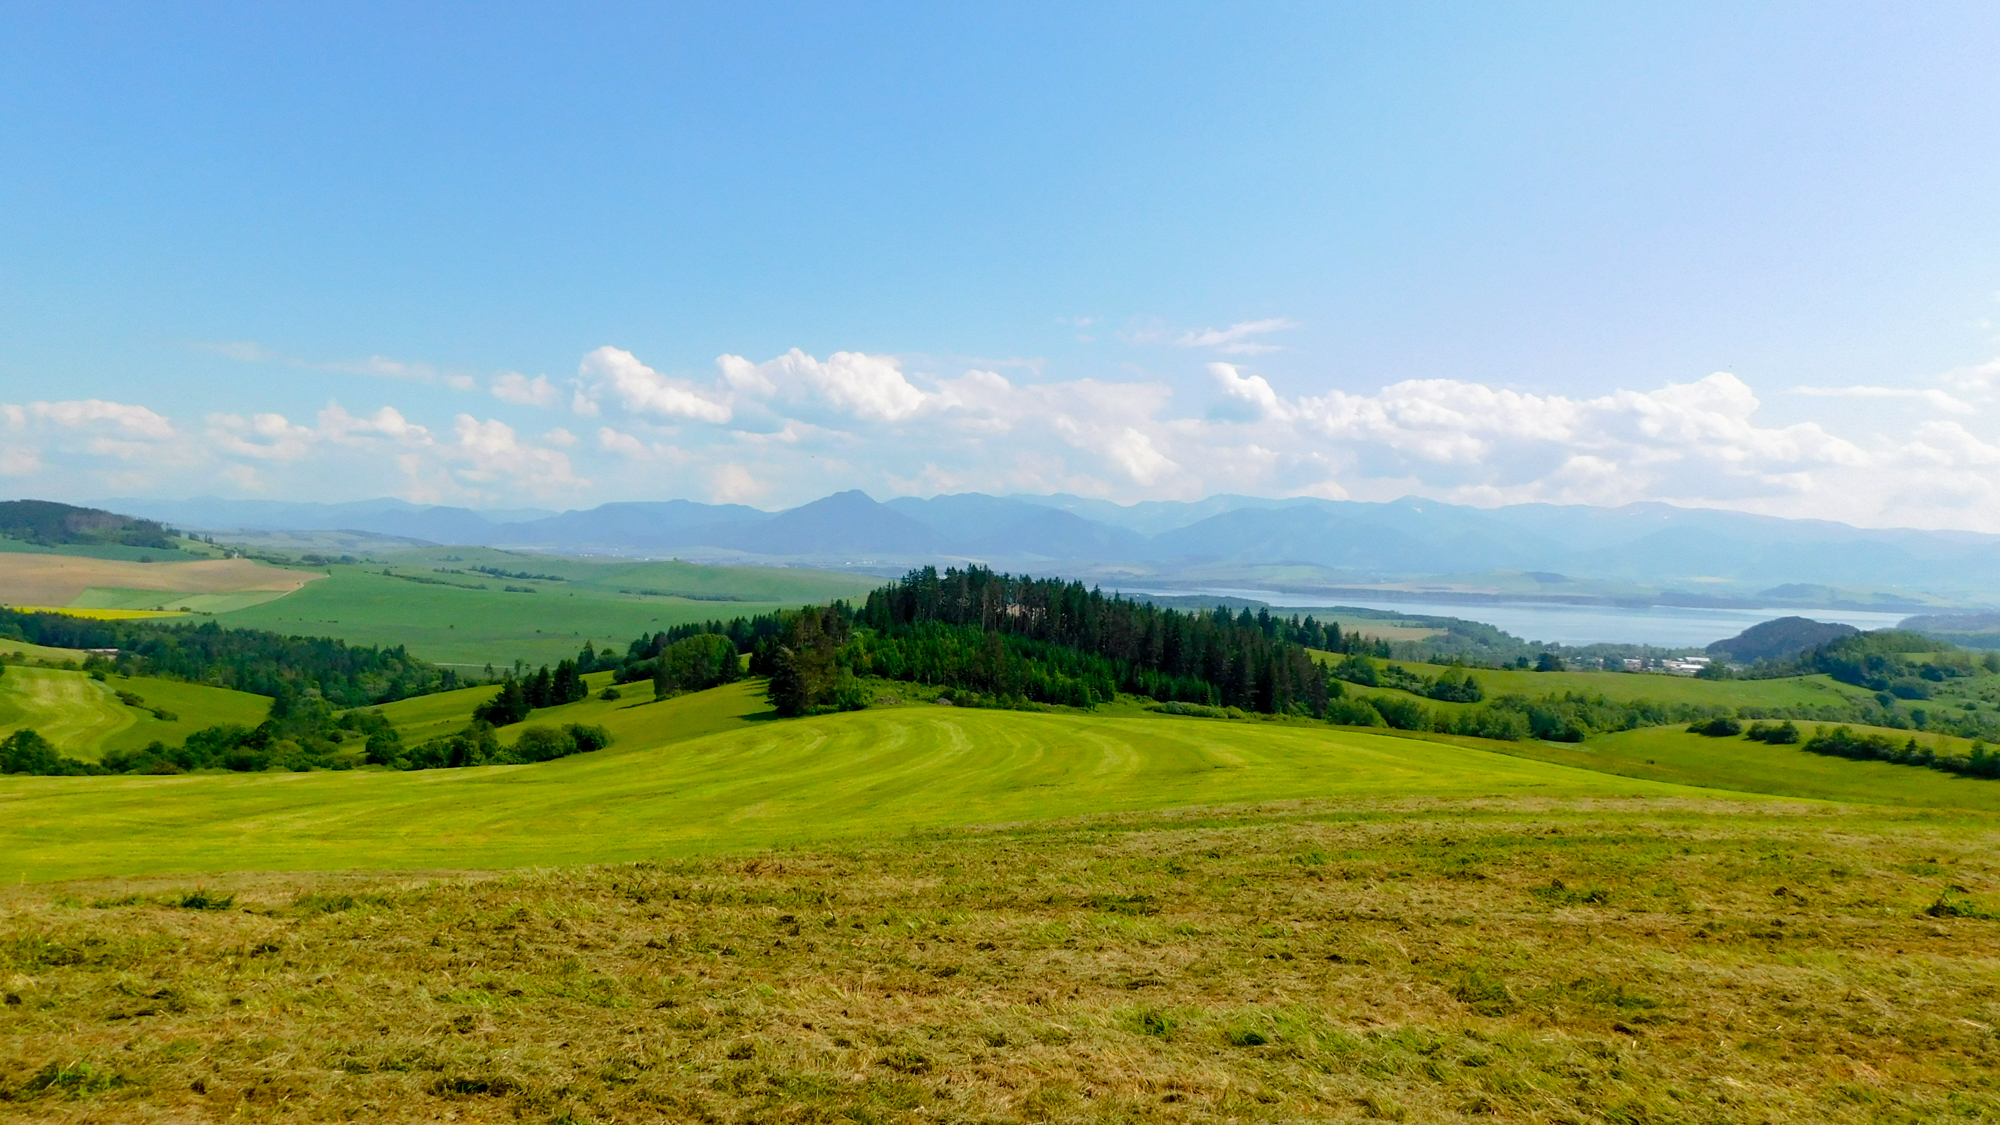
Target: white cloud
(623, 444)
(1235, 339)
(268, 436)
(377, 366)
(869, 387)
(642, 390)
(1930, 396)
(796, 427)
(514, 387)
(135, 420)
(734, 484)
(19, 460)
(495, 453)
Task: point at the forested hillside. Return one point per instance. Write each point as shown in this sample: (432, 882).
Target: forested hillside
(250, 660)
(49, 524)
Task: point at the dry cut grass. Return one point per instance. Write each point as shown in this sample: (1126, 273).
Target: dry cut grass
(1584, 961)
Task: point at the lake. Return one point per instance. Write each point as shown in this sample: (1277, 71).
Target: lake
(1665, 626)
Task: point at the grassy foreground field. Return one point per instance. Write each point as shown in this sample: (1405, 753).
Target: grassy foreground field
(713, 772)
(1511, 959)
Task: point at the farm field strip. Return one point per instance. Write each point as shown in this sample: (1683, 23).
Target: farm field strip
(59, 580)
(444, 619)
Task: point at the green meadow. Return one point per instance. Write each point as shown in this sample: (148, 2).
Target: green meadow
(1672, 754)
(715, 772)
(445, 618)
(1625, 687)
(84, 718)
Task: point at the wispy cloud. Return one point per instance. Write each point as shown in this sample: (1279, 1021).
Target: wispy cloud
(1236, 339)
(1929, 395)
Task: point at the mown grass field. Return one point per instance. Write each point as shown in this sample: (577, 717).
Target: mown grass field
(98, 614)
(1672, 754)
(69, 708)
(1623, 687)
(714, 771)
(84, 718)
(1519, 959)
(457, 624)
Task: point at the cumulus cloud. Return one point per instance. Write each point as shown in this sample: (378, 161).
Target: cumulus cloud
(269, 436)
(618, 374)
(137, 421)
(869, 387)
(514, 387)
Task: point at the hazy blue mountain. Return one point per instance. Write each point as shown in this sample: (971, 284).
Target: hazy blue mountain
(1691, 552)
(435, 523)
(966, 517)
(1151, 517)
(1973, 630)
(1055, 534)
(845, 523)
(628, 526)
(1404, 537)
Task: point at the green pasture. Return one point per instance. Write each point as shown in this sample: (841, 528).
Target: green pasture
(1671, 754)
(787, 585)
(1624, 687)
(194, 707)
(84, 718)
(456, 624)
(432, 716)
(715, 771)
(70, 709)
(40, 652)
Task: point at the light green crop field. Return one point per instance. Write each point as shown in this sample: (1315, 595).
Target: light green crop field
(114, 597)
(1623, 687)
(457, 624)
(784, 585)
(714, 771)
(84, 718)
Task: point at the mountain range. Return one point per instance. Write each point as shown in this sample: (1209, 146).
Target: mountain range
(1410, 546)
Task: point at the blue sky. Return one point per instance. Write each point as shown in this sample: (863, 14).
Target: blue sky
(556, 255)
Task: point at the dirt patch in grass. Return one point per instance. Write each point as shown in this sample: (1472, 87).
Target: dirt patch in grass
(1611, 961)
